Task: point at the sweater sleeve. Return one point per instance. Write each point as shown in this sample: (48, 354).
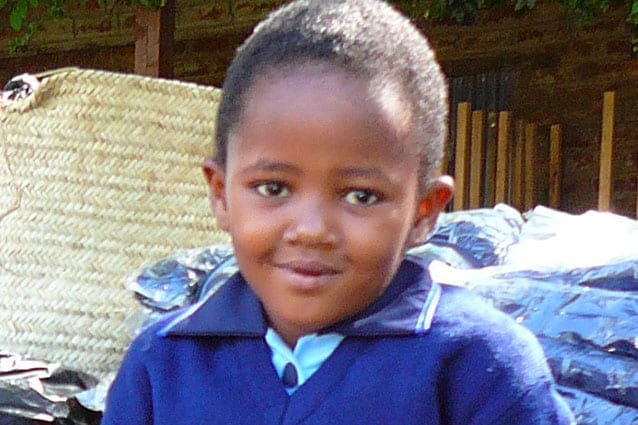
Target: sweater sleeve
(540, 405)
(498, 375)
(129, 401)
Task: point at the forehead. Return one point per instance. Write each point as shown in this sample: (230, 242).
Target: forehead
(318, 101)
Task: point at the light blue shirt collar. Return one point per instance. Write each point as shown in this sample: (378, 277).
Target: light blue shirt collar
(309, 354)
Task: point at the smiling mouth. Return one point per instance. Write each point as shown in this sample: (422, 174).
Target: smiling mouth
(307, 276)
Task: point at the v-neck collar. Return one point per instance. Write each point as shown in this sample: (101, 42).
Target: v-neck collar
(406, 307)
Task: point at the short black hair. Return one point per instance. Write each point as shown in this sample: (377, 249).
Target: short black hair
(365, 38)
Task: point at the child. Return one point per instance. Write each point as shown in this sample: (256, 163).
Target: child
(329, 141)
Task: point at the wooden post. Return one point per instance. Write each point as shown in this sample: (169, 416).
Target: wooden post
(530, 166)
(502, 157)
(555, 139)
(606, 152)
(518, 177)
(490, 154)
(461, 163)
(154, 40)
(477, 159)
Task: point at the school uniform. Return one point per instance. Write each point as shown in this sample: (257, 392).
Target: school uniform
(423, 353)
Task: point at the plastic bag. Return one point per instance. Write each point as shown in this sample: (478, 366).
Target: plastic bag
(604, 318)
(177, 281)
(36, 392)
(578, 364)
(482, 236)
(592, 410)
(554, 240)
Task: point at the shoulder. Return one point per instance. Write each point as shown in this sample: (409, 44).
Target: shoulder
(495, 368)
(129, 399)
(151, 364)
(476, 330)
(467, 319)
(146, 346)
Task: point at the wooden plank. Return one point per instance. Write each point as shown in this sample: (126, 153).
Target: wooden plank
(490, 153)
(477, 159)
(606, 152)
(530, 166)
(518, 177)
(555, 140)
(154, 40)
(502, 157)
(461, 160)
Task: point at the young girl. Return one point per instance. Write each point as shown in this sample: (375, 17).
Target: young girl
(329, 140)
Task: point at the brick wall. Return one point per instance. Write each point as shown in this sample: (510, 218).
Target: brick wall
(562, 68)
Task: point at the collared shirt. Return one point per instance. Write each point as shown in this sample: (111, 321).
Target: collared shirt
(404, 309)
(309, 354)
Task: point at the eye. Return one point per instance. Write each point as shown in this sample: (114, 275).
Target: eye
(361, 197)
(272, 190)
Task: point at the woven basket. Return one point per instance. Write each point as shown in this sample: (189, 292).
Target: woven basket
(99, 174)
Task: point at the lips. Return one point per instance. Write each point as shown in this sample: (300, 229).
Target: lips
(307, 276)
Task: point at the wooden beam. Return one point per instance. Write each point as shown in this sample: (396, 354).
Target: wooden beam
(530, 166)
(502, 157)
(555, 140)
(490, 153)
(154, 40)
(477, 159)
(518, 177)
(461, 162)
(606, 152)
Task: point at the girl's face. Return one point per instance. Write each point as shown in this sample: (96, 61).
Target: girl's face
(320, 196)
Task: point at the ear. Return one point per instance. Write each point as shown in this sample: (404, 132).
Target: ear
(215, 179)
(430, 205)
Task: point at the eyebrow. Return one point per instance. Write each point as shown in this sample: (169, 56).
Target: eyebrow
(271, 166)
(364, 172)
(346, 172)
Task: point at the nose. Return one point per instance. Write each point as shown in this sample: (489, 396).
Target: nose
(311, 223)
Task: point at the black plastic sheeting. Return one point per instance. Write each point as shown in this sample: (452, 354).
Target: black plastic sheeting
(480, 237)
(178, 281)
(583, 307)
(35, 392)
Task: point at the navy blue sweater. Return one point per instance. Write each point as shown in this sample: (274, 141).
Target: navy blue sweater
(422, 354)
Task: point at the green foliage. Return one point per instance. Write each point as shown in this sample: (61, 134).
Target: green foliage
(460, 11)
(632, 18)
(465, 11)
(20, 12)
(150, 3)
(587, 8)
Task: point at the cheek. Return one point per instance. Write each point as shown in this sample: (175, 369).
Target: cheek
(379, 247)
(248, 231)
(253, 230)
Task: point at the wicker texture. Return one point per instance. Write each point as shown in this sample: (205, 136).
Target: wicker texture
(99, 174)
